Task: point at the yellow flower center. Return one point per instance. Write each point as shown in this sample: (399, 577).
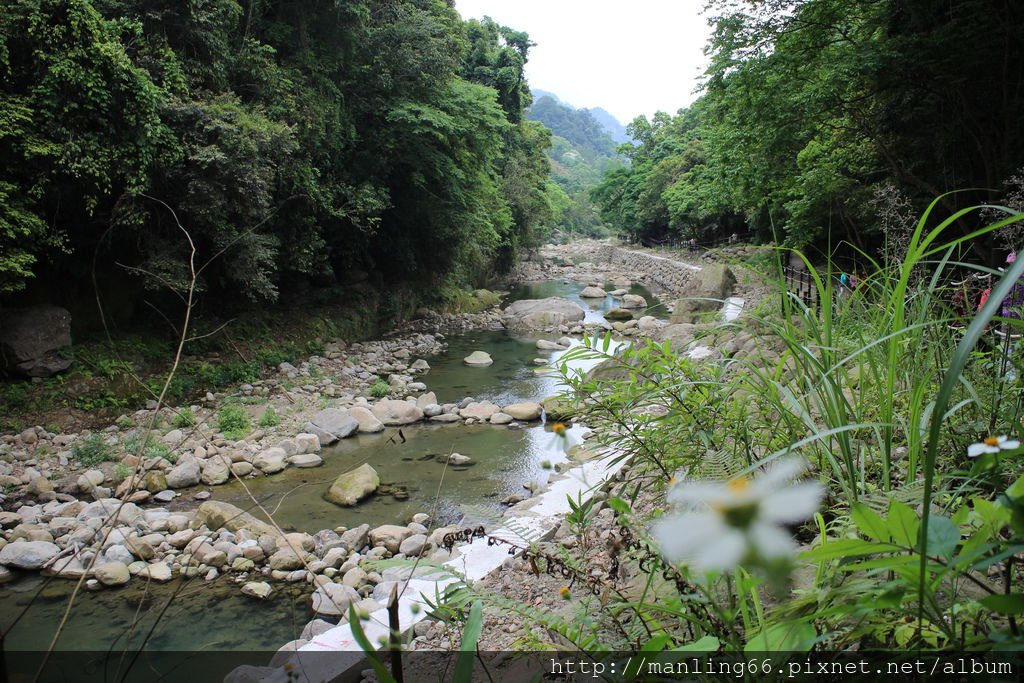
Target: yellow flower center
(737, 515)
(558, 428)
(737, 485)
(992, 441)
(564, 592)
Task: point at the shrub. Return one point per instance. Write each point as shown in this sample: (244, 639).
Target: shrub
(233, 421)
(92, 450)
(380, 389)
(185, 418)
(270, 418)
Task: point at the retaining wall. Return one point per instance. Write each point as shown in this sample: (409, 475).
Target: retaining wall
(667, 274)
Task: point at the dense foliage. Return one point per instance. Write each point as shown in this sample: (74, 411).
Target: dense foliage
(301, 141)
(814, 108)
(582, 151)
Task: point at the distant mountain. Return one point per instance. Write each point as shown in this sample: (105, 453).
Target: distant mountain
(610, 124)
(577, 126)
(616, 130)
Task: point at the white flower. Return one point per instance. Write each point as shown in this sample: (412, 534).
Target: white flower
(727, 522)
(992, 444)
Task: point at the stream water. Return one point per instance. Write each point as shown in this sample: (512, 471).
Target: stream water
(195, 615)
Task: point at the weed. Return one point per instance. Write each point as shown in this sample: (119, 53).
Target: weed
(233, 421)
(270, 418)
(185, 418)
(380, 389)
(92, 450)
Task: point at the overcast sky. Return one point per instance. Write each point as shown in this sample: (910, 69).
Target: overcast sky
(631, 58)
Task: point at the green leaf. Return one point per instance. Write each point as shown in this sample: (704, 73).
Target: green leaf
(870, 523)
(1004, 604)
(847, 547)
(792, 636)
(371, 653)
(618, 505)
(657, 643)
(470, 636)
(1016, 489)
(903, 524)
(705, 644)
(943, 536)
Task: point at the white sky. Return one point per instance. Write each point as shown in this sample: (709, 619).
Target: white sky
(630, 57)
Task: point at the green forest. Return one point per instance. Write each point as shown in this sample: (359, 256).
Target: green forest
(816, 117)
(294, 142)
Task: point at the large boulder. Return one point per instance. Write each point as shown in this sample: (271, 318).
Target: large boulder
(523, 411)
(216, 470)
(334, 599)
(217, 515)
(539, 314)
(31, 337)
(592, 292)
(368, 422)
(678, 335)
(633, 301)
(186, 473)
(394, 413)
(390, 536)
(619, 314)
(332, 424)
(478, 359)
(704, 293)
(28, 554)
(480, 410)
(352, 486)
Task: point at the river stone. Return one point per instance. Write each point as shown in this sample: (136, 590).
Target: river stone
(703, 294)
(334, 599)
(215, 470)
(186, 473)
(619, 314)
(315, 628)
(28, 554)
(243, 469)
(633, 301)
(413, 546)
(219, 515)
(368, 422)
(6, 575)
(538, 314)
(446, 418)
(357, 538)
(425, 400)
(678, 335)
(529, 410)
(556, 408)
(308, 443)
(419, 365)
(478, 359)
(89, 480)
(271, 460)
(394, 413)
(305, 460)
(335, 421)
(621, 291)
(592, 292)
(390, 536)
(481, 410)
(455, 459)
(159, 572)
(500, 419)
(354, 577)
(545, 345)
(285, 560)
(260, 590)
(112, 573)
(352, 486)
(31, 337)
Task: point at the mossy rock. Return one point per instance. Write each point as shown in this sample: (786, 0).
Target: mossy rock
(558, 409)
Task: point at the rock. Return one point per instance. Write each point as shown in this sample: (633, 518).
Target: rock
(529, 410)
(112, 573)
(633, 301)
(648, 323)
(368, 422)
(260, 590)
(420, 365)
(425, 400)
(155, 482)
(31, 337)
(334, 421)
(186, 473)
(315, 628)
(352, 486)
(218, 515)
(285, 560)
(6, 575)
(539, 314)
(308, 443)
(304, 460)
(478, 359)
(271, 460)
(678, 335)
(89, 480)
(159, 572)
(389, 536)
(592, 292)
(334, 599)
(394, 413)
(619, 292)
(216, 470)
(455, 459)
(354, 577)
(246, 673)
(703, 294)
(481, 410)
(619, 314)
(558, 409)
(165, 496)
(173, 437)
(413, 546)
(446, 418)
(28, 554)
(500, 419)
(545, 345)
(356, 539)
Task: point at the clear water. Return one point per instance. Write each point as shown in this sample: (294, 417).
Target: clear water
(216, 617)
